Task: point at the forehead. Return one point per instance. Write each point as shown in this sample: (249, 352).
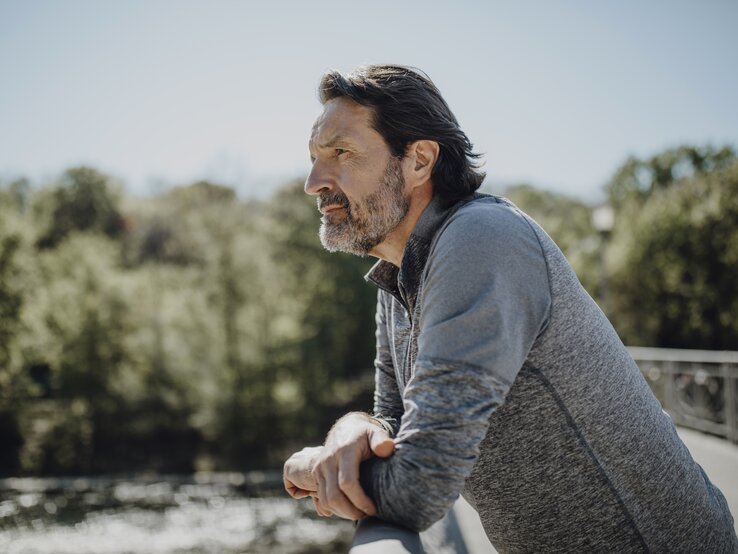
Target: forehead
(344, 118)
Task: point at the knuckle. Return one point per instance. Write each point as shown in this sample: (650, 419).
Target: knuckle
(346, 484)
(346, 453)
(339, 451)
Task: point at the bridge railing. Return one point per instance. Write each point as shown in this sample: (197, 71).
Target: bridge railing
(697, 388)
(374, 536)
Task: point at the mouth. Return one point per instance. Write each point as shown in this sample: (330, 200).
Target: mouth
(325, 210)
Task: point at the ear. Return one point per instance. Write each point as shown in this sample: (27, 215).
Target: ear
(421, 157)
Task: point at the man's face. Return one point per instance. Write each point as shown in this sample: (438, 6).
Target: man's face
(359, 186)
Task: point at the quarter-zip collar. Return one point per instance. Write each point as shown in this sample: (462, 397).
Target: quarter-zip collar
(403, 282)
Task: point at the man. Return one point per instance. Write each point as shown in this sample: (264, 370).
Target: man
(496, 374)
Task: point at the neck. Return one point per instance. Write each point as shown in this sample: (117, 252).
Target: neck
(392, 248)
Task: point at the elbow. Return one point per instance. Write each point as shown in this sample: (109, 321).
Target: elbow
(421, 520)
(407, 496)
(412, 511)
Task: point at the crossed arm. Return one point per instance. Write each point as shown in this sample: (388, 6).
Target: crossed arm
(329, 474)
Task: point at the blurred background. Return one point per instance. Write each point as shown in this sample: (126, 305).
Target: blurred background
(170, 327)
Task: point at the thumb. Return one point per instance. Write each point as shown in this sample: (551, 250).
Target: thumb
(381, 443)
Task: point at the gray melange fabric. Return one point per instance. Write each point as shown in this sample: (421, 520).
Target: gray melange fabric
(502, 378)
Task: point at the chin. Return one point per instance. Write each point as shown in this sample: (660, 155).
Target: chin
(339, 238)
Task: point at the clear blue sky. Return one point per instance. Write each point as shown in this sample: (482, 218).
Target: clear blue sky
(555, 93)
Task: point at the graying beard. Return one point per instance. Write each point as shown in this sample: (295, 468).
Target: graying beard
(359, 241)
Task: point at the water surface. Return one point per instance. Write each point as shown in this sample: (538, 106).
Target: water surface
(205, 513)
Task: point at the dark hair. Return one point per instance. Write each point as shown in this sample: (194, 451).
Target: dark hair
(407, 107)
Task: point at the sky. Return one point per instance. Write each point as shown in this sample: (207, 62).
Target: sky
(160, 92)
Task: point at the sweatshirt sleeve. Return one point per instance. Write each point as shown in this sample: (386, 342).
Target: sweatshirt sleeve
(387, 400)
(485, 299)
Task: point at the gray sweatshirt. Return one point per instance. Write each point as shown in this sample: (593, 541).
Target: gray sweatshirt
(501, 378)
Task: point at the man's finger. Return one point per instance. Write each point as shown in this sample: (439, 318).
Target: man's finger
(331, 497)
(296, 492)
(290, 487)
(348, 483)
(381, 443)
(320, 508)
(296, 473)
(320, 478)
(337, 502)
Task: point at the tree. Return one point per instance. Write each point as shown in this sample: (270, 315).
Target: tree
(11, 291)
(674, 259)
(15, 387)
(636, 180)
(83, 200)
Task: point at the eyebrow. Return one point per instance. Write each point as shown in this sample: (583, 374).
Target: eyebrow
(335, 140)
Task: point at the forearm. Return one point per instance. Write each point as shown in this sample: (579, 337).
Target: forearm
(436, 447)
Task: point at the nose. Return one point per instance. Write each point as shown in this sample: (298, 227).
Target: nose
(319, 180)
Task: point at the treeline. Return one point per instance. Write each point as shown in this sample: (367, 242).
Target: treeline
(186, 331)
(194, 330)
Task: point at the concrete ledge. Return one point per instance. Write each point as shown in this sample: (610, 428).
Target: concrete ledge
(374, 536)
(446, 536)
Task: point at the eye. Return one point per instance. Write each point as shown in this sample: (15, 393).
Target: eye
(340, 151)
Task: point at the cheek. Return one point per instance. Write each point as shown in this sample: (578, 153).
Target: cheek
(357, 183)
(351, 188)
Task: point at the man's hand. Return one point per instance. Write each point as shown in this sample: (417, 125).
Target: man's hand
(354, 438)
(298, 472)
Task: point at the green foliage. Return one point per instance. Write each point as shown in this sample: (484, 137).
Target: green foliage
(675, 264)
(16, 269)
(15, 196)
(176, 228)
(85, 313)
(636, 180)
(83, 200)
(200, 193)
(11, 294)
(57, 437)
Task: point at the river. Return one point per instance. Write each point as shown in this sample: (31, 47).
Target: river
(229, 513)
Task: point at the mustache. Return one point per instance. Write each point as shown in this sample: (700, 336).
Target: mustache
(333, 198)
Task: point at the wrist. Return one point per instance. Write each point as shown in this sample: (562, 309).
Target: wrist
(359, 418)
(350, 425)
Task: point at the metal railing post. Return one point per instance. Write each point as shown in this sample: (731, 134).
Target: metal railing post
(730, 399)
(669, 393)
